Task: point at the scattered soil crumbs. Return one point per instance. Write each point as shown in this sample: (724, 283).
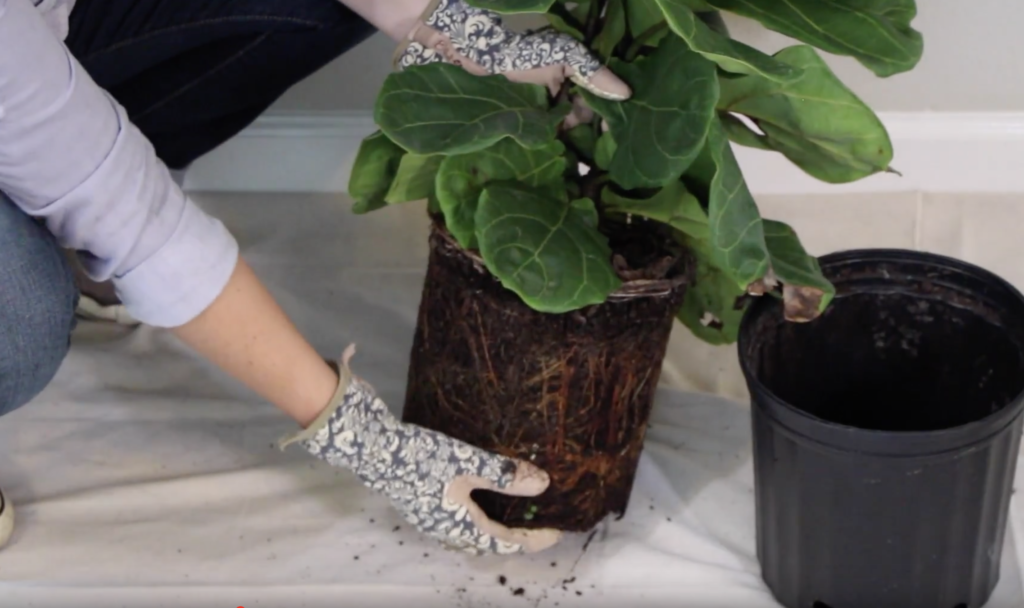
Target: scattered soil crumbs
(502, 580)
(519, 591)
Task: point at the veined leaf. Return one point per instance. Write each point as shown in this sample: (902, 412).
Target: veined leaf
(737, 244)
(660, 130)
(713, 306)
(415, 179)
(584, 139)
(805, 290)
(373, 172)
(544, 249)
(752, 253)
(729, 54)
(741, 134)
(816, 121)
(461, 180)
(605, 151)
(642, 16)
(613, 31)
(561, 24)
(672, 205)
(875, 32)
(513, 6)
(443, 109)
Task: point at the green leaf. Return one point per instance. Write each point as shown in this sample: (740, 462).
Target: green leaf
(806, 291)
(713, 306)
(753, 253)
(543, 249)
(443, 109)
(875, 32)
(462, 178)
(737, 244)
(513, 6)
(373, 172)
(816, 121)
(729, 54)
(605, 151)
(587, 211)
(741, 134)
(562, 24)
(613, 31)
(642, 16)
(415, 179)
(672, 205)
(583, 139)
(661, 129)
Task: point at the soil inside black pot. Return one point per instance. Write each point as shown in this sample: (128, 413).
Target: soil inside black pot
(569, 392)
(899, 361)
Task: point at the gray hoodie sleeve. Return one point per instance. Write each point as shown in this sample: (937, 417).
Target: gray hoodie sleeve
(70, 156)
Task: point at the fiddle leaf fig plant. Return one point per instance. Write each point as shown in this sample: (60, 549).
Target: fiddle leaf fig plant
(496, 161)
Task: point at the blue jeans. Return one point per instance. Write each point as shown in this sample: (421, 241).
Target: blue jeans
(191, 74)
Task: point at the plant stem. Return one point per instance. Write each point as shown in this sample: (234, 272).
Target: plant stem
(642, 39)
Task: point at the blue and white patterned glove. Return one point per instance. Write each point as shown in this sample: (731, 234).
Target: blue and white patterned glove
(478, 40)
(427, 476)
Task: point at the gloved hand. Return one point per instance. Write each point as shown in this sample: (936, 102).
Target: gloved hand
(427, 476)
(477, 39)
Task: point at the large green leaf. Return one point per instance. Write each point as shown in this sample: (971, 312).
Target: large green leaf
(373, 172)
(805, 290)
(642, 16)
(461, 180)
(612, 30)
(415, 179)
(443, 109)
(729, 54)
(672, 205)
(544, 249)
(660, 130)
(816, 121)
(583, 139)
(737, 244)
(713, 306)
(513, 6)
(755, 255)
(876, 32)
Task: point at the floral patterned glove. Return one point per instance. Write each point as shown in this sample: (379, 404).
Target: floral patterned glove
(477, 40)
(427, 476)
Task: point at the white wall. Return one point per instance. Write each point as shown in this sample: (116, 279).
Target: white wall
(972, 59)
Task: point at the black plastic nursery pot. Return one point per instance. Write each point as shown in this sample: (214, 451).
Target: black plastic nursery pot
(886, 434)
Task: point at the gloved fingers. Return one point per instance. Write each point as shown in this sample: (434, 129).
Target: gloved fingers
(496, 537)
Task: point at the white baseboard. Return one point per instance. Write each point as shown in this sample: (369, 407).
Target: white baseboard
(935, 152)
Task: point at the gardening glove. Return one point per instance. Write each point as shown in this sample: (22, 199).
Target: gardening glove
(427, 476)
(477, 40)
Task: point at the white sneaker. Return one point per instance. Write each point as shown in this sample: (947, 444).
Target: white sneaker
(6, 520)
(91, 310)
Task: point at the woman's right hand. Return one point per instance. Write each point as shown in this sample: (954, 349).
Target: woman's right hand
(427, 475)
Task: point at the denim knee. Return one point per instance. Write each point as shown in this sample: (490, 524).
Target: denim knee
(38, 297)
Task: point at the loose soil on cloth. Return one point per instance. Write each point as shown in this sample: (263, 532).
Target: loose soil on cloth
(572, 392)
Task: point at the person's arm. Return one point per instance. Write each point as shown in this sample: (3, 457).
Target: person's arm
(69, 155)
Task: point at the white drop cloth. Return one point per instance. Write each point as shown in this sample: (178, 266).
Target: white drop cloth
(143, 478)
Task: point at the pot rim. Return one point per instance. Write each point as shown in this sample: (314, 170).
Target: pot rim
(847, 438)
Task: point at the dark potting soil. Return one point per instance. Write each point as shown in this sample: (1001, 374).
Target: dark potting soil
(892, 362)
(571, 393)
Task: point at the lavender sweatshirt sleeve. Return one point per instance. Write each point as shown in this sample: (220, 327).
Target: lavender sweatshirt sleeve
(70, 156)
